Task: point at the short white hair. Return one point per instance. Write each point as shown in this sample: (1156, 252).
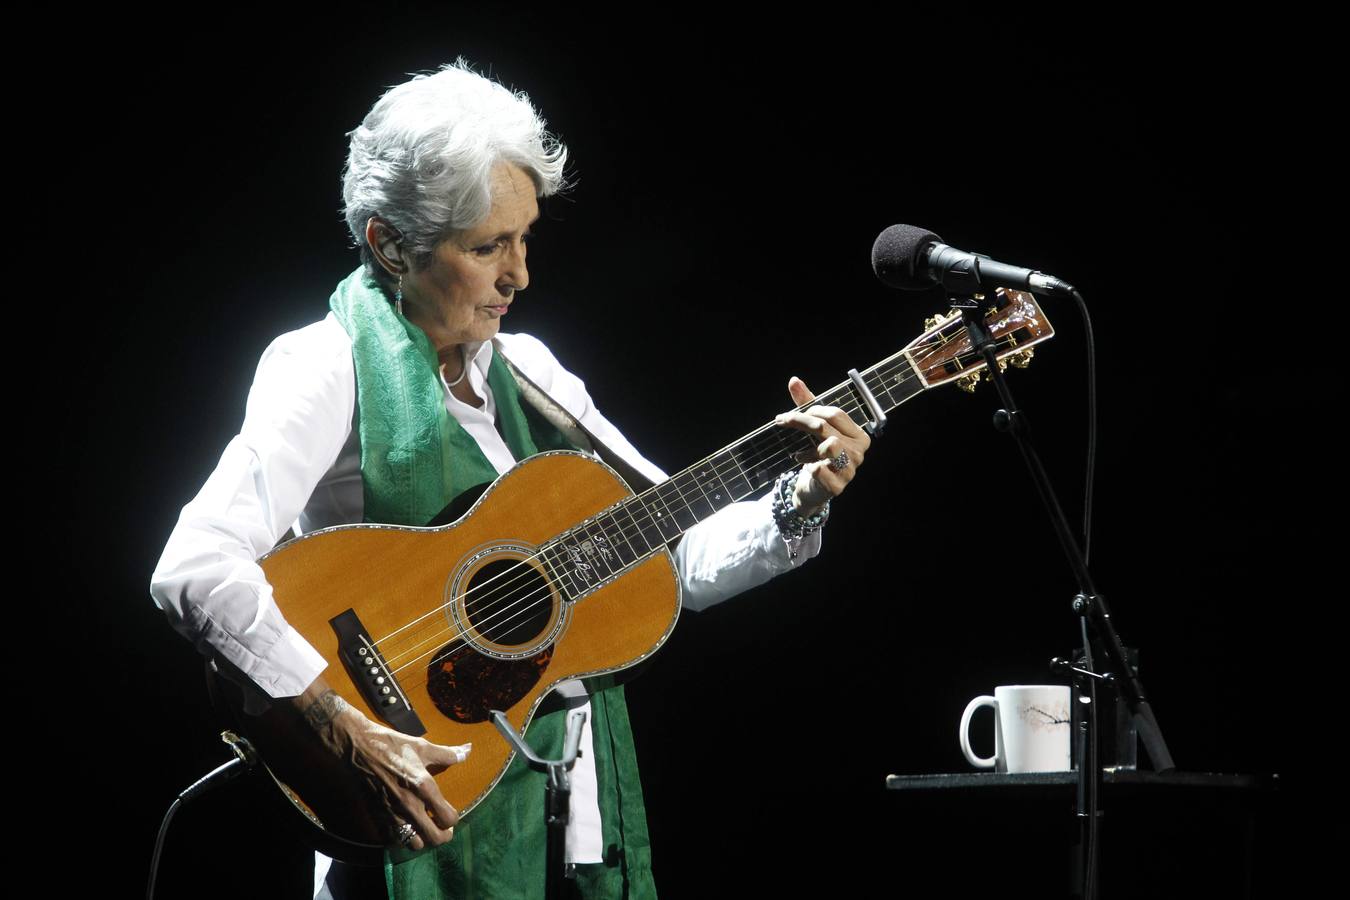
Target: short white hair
(423, 157)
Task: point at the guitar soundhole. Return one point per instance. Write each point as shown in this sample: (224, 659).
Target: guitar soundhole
(508, 603)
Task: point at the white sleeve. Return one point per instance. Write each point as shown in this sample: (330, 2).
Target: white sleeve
(737, 548)
(734, 550)
(208, 582)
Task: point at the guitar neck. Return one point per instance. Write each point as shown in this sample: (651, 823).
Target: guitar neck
(610, 542)
(752, 463)
(605, 545)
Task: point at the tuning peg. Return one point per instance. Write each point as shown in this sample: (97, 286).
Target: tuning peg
(968, 382)
(1022, 359)
(939, 320)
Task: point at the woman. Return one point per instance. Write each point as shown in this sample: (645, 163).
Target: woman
(392, 405)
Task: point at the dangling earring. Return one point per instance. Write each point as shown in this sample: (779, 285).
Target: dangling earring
(398, 296)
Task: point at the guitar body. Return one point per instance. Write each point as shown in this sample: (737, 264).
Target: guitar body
(465, 619)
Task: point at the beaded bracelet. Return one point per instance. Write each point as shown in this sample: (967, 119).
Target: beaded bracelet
(792, 525)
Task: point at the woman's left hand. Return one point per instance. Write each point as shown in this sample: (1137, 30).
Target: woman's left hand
(840, 447)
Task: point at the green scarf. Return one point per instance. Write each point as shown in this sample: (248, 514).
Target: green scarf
(408, 439)
(415, 460)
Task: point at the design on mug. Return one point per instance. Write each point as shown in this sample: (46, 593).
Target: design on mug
(1037, 718)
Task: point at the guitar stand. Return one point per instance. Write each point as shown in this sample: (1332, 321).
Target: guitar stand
(557, 794)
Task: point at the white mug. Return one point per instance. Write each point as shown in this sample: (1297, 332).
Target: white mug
(1031, 728)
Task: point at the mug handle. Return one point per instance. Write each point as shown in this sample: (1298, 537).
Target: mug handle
(978, 762)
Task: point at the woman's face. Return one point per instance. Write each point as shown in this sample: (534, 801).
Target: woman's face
(474, 274)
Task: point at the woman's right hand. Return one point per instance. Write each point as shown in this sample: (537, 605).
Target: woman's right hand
(396, 769)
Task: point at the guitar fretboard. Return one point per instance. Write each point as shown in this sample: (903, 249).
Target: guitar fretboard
(587, 556)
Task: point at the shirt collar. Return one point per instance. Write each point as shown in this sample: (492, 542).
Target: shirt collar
(479, 355)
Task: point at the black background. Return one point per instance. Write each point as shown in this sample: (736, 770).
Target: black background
(729, 181)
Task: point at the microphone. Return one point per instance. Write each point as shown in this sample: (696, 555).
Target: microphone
(913, 259)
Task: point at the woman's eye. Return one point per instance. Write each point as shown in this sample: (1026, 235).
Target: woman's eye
(489, 249)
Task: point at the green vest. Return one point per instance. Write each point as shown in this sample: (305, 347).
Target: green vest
(415, 459)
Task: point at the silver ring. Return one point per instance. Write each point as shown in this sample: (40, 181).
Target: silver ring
(406, 833)
(839, 462)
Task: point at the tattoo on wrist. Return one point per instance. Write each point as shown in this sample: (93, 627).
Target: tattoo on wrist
(324, 710)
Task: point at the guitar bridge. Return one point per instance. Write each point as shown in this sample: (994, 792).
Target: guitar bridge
(372, 677)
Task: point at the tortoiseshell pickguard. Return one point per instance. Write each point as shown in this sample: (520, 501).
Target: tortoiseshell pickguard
(466, 685)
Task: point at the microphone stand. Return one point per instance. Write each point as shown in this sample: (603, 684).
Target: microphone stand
(1088, 604)
(557, 794)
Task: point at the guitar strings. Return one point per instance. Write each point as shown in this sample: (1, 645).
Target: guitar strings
(515, 607)
(490, 618)
(783, 439)
(520, 606)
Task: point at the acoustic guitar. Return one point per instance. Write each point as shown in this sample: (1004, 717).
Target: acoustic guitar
(558, 571)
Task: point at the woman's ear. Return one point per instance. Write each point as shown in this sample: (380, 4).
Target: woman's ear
(386, 244)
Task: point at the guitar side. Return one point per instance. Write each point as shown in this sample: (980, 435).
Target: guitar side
(406, 586)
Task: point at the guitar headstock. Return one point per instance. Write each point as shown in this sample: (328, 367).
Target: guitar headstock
(944, 353)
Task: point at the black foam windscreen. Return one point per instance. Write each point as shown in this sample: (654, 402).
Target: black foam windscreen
(895, 256)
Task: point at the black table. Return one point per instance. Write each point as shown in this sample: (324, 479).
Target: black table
(1179, 834)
